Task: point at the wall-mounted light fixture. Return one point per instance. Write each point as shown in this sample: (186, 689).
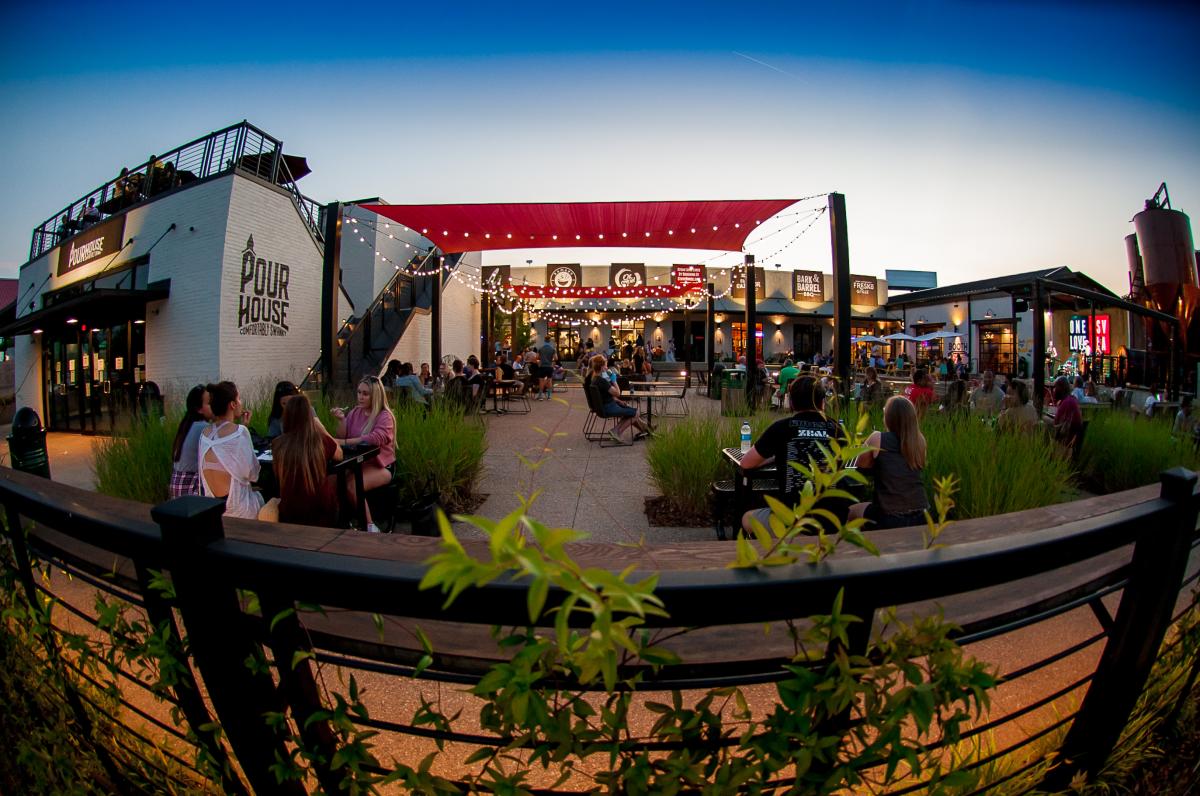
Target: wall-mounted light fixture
(989, 315)
(921, 319)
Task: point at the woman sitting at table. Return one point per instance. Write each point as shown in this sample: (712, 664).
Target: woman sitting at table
(370, 423)
(228, 465)
(1018, 414)
(301, 455)
(613, 405)
(896, 457)
(795, 439)
(870, 392)
(284, 391)
(185, 475)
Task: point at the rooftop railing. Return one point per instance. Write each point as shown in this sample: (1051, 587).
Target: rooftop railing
(1132, 548)
(242, 147)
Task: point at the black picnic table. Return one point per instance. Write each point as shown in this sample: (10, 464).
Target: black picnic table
(353, 458)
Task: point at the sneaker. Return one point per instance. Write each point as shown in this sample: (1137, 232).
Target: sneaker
(373, 528)
(641, 435)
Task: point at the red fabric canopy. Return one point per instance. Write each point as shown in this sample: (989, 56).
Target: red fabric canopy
(721, 225)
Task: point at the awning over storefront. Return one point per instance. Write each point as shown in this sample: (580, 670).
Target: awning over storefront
(99, 307)
(717, 225)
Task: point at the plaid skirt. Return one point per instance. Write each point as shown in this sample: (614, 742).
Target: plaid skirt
(184, 484)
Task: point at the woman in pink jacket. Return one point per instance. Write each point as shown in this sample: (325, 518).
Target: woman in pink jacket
(372, 423)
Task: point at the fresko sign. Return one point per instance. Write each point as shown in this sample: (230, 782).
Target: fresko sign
(91, 244)
(808, 286)
(864, 291)
(263, 295)
(564, 275)
(627, 274)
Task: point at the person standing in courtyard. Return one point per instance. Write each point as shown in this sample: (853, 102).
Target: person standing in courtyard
(545, 371)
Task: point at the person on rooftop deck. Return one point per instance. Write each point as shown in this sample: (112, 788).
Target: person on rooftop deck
(896, 458)
(372, 423)
(795, 439)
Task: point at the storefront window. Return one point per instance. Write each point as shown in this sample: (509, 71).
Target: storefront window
(997, 347)
(739, 340)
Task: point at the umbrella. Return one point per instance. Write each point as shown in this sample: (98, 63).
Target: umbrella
(294, 165)
(902, 337)
(866, 338)
(939, 335)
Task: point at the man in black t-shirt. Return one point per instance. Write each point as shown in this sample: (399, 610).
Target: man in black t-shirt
(795, 439)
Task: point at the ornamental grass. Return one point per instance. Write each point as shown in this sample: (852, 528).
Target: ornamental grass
(1121, 453)
(439, 453)
(137, 464)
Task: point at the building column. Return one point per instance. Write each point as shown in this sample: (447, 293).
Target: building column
(751, 338)
(331, 278)
(1039, 347)
(710, 329)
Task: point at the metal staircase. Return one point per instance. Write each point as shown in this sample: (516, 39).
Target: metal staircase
(365, 341)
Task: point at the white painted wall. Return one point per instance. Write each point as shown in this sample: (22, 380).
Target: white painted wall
(280, 236)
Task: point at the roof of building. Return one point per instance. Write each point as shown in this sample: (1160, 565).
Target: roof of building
(997, 284)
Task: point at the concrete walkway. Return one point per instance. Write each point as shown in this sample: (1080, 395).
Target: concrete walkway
(70, 457)
(598, 490)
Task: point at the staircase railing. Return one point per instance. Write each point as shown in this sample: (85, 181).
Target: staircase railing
(389, 313)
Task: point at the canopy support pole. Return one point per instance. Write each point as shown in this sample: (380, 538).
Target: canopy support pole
(435, 317)
(840, 247)
(709, 333)
(1039, 347)
(331, 278)
(750, 337)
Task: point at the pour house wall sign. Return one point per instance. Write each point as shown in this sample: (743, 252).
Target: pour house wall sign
(263, 299)
(98, 241)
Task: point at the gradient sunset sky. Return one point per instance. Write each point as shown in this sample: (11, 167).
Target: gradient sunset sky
(969, 138)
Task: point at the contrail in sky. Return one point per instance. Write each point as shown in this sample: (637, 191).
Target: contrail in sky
(767, 65)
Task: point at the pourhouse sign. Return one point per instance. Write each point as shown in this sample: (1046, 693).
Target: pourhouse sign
(263, 298)
(91, 244)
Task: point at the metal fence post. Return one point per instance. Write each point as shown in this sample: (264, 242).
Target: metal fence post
(1159, 562)
(220, 643)
(187, 692)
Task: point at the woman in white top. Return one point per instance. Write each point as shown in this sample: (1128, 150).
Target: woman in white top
(228, 465)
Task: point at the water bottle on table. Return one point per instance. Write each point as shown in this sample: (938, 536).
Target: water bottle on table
(745, 435)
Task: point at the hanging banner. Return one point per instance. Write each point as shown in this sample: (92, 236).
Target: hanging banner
(1102, 336)
(627, 274)
(690, 277)
(864, 291)
(739, 283)
(808, 286)
(562, 275)
(495, 276)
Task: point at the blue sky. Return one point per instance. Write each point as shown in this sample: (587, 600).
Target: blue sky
(969, 138)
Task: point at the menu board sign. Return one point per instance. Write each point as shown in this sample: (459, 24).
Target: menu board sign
(808, 286)
(864, 291)
(564, 275)
(688, 276)
(739, 283)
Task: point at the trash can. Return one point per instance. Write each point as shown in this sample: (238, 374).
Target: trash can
(715, 379)
(27, 444)
(733, 400)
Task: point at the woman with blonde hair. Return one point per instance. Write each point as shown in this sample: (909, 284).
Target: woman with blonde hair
(896, 457)
(371, 423)
(301, 456)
